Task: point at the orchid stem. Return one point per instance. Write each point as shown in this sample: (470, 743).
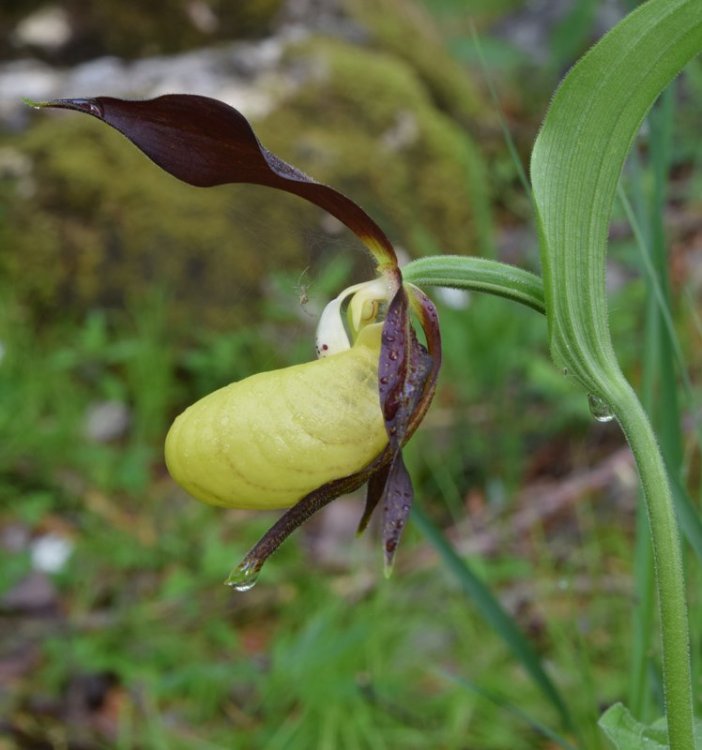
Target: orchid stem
(670, 582)
(478, 275)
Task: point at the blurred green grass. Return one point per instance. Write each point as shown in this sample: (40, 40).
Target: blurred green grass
(315, 656)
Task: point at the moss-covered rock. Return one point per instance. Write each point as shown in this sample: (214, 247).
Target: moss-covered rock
(103, 224)
(366, 123)
(407, 31)
(134, 29)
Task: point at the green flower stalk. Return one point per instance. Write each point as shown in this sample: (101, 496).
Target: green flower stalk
(575, 166)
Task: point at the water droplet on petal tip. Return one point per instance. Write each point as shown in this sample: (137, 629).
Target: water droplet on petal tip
(243, 577)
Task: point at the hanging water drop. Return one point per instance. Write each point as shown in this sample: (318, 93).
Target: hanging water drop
(599, 408)
(244, 576)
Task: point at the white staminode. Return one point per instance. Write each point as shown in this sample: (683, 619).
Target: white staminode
(331, 337)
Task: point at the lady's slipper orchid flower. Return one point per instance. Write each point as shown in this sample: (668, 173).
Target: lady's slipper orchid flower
(298, 437)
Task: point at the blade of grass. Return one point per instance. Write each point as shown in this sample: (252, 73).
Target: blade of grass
(668, 418)
(510, 708)
(657, 289)
(690, 520)
(509, 141)
(643, 617)
(692, 311)
(493, 613)
(688, 515)
(643, 223)
(662, 352)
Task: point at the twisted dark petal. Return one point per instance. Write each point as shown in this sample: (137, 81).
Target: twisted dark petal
(407, 370)
(376, 487)
(425, 363)
(304, 509)
(407, 374)
(397, 502)
(205, 142)
(429, 318)
(393, 367)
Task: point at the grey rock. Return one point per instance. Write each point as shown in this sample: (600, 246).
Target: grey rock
(247, 75)
(106, 421)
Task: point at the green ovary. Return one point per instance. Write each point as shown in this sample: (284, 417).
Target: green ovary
(270, 439)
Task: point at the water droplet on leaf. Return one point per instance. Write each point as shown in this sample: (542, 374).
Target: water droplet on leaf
(599, 408)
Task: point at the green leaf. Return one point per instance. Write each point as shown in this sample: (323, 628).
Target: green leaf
(493, 613)
(626, 733)
(478, 275)
(575, 166)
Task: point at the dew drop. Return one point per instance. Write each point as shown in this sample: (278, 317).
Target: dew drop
(88, 105)
(384, 380)
(96, 109)
(244, 576)
(393, 355)
(599, 409)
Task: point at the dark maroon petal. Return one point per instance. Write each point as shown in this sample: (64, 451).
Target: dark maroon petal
(407, 371)
(376, 487)
(407, 374)
(393, 366)
(429, 319)
(397, 503)
(287, 523)
(252, 563)
(425, 362)
(205, 142)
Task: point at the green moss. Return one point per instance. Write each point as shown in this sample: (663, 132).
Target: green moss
(104, 226)
(164, 26)
(366, 123)
(131, 29)
(405, 29)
